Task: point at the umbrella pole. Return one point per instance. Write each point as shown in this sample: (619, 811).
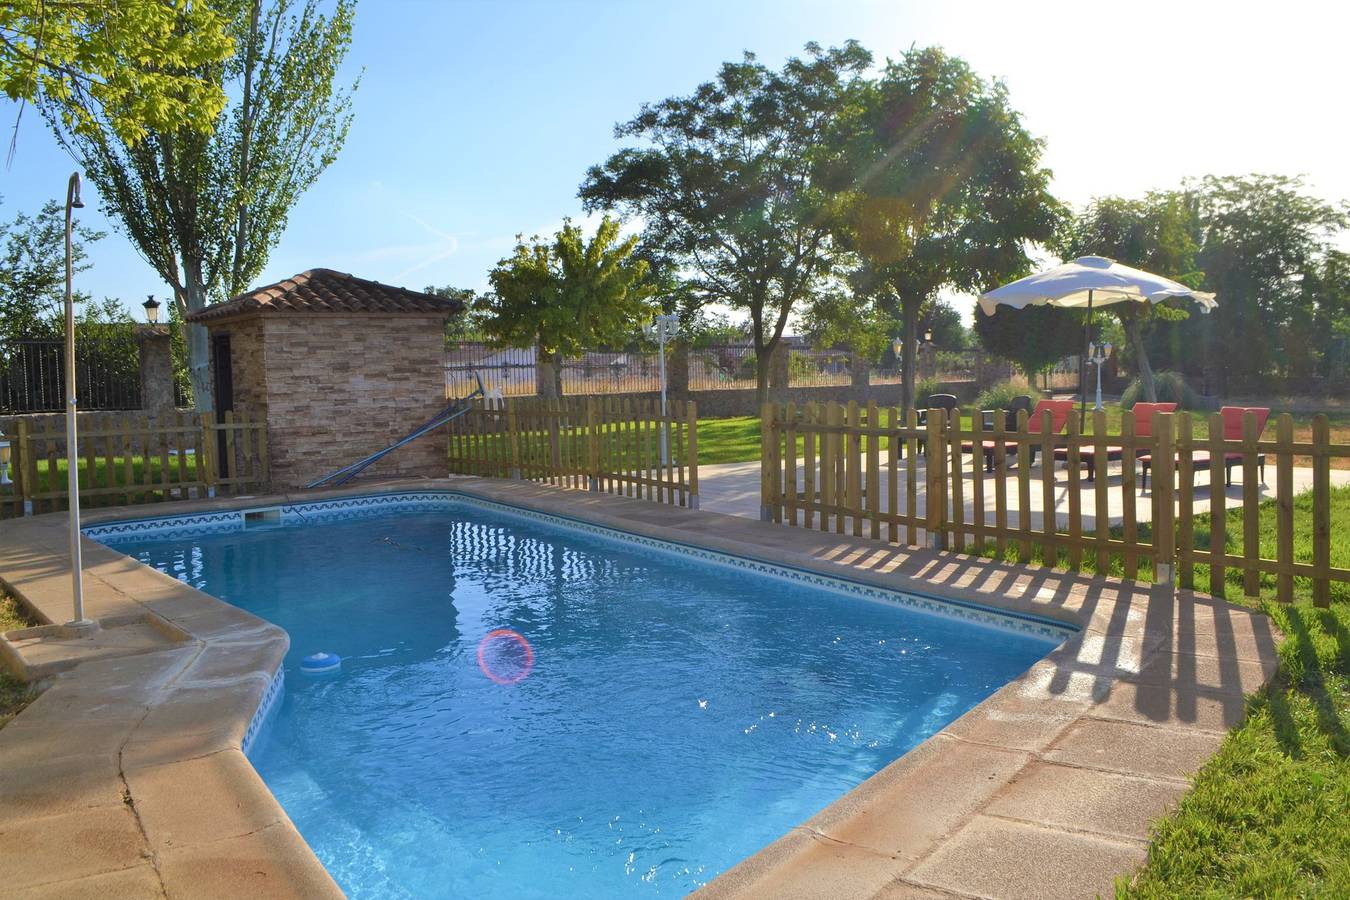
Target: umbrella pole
(1082, 371)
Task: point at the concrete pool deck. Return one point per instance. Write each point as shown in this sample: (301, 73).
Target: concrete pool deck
(126, 778)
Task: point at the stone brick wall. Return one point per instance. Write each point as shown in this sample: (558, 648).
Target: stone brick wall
(335, 388)
(248, 366)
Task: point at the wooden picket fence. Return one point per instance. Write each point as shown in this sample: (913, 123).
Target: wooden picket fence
(611, 445)
(865, 471)
(129, 459)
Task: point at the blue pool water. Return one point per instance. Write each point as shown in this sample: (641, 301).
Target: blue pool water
(678, 716)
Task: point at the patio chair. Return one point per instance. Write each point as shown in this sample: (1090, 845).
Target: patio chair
(1060, 410)
(945, 402)
(1143, 427)
(1232, 431)
(1015, 405)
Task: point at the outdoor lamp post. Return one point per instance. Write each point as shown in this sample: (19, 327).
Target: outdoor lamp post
(151, 306)
(662, 329)
(73, 202)
(1097, 355)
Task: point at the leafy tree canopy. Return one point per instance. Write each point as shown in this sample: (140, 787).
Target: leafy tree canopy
(206, 208)
(939, 186)
(1159, 233)
(568, 294)
(1035, 338)
(466, 326)
(1263, 237)
(33, 272)
(727, 183)
(131, 66)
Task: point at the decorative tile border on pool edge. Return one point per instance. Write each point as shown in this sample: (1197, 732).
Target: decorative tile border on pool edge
(355, 507)
(197, 523)
(270, 703)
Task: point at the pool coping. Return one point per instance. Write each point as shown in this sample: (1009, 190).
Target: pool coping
(1044, 789)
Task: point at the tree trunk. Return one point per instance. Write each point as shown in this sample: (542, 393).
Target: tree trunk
(763, 366)
(548, 374)
(909, 312)
(198, 341)
(1136, 338)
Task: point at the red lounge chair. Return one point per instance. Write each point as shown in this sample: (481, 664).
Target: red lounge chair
(1143, 427)
(1232, 431)
(1060, 410)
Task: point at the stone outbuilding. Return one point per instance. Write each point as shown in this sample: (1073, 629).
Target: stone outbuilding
(337, 367)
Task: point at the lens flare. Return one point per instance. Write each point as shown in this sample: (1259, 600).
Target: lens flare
(505, 656)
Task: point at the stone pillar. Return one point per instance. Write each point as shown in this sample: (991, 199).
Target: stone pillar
(861, 370)
(927, 361)
(156, 347)
(677, 370)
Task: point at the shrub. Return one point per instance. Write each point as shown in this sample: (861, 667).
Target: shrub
(1172, 388)
(925, 388)
(1000, 395)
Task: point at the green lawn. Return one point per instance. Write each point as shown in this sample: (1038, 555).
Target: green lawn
(142, 469)
(1267, 816)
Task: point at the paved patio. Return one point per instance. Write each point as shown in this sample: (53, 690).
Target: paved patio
(733, 489)
(126, 778)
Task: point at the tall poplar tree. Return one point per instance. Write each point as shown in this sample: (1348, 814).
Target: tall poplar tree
(206, 209)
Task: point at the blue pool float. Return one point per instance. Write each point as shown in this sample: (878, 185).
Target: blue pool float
(320, 663)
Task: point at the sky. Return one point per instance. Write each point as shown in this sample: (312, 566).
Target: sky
(476, 120)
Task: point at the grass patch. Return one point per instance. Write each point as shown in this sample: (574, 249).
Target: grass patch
(14, 694)
(1267, 814)
(143, 469)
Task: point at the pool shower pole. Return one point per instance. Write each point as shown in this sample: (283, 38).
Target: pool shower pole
(664, 327)
(73, 202)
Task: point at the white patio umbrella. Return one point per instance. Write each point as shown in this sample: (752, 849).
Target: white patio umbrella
(1087, 282)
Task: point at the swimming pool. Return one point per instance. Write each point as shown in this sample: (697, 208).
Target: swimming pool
(656, 714)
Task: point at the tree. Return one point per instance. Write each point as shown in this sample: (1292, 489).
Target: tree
(1159, 233)
(466, 325)
(128, 65)
(567, 295)
(940, 186)
(1035, 338)
(33, 272)
(1262, 236)
(728, 185)
(205, 210)
(949, 332)
(1327, 301)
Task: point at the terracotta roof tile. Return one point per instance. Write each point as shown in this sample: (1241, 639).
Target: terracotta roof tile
(327, 291)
